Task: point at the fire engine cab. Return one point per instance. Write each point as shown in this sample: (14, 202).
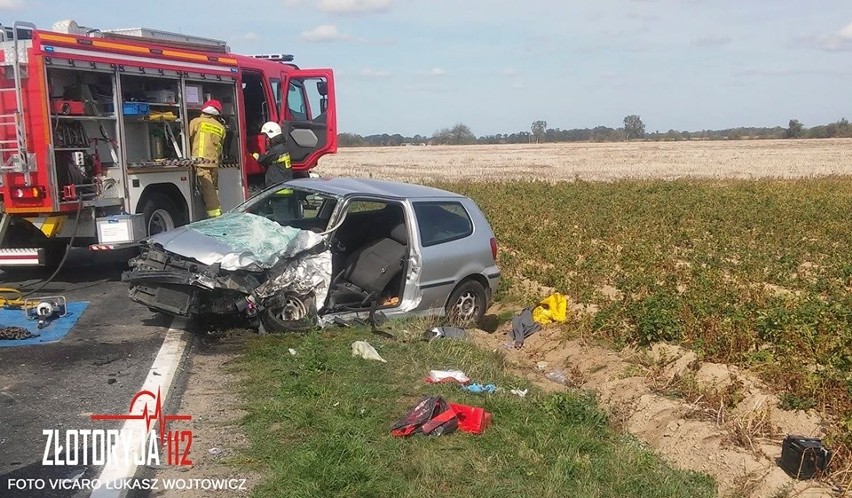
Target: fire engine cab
(94, 143)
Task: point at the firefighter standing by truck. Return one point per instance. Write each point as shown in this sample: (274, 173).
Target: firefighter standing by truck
(276, 160)
(207, 135)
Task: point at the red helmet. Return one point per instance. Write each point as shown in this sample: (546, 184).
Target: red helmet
(212, 106)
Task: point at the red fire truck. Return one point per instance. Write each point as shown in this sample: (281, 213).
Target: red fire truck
(94, 145)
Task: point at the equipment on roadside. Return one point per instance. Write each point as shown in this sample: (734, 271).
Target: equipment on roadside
(804, 457)
(45, 309)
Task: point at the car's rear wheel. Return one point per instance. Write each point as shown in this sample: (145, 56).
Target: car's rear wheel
(466, 305)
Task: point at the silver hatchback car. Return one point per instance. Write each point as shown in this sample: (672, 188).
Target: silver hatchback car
(314, 251)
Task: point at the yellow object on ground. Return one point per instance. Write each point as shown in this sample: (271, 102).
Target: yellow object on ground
(11, 297)
(553, 308)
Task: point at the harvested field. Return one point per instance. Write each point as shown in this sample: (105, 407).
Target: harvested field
(598, 161)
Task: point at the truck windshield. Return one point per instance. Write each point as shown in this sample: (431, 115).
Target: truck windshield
(292, 207)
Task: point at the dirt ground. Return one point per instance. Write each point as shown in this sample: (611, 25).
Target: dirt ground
(738, 446)
(211, 398)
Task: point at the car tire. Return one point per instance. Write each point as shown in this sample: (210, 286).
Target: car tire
(274, 317)
(161, 213)
(466, 305)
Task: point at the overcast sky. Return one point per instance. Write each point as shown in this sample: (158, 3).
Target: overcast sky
(414, 66)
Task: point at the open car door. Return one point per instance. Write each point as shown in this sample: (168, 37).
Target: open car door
(309, 117)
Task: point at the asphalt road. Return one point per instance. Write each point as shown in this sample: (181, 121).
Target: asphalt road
(96, 368)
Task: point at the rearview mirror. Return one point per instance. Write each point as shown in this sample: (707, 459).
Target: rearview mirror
(322, 87)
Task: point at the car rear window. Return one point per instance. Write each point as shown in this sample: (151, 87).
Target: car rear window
(442, 221)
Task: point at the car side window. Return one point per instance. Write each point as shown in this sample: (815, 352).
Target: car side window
(442, 221)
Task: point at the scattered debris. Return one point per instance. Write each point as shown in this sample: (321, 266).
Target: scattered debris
(111, 380)
(292, 351)
(520, 392)
(553, 308)
(367, 351)
(214, 451)
(523, 326)
(479, 388)
(436, 376)
(445, 332)
(558, 376)
(472, 419)
(433, 416)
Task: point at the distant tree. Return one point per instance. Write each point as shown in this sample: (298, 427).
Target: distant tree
(538, 130)
(634, 127)
(350, 140)
(459, 134)
(795, 129)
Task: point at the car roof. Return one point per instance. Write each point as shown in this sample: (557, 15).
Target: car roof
(365, 186)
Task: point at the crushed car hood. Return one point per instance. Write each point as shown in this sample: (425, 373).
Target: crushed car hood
(237, 241)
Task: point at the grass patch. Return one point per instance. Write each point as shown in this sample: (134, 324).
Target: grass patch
(319, 426)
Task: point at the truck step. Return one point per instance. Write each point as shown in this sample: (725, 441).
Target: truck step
(22, 257)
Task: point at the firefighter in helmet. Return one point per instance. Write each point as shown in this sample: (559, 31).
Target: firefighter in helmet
(276, 160)
(207, 136)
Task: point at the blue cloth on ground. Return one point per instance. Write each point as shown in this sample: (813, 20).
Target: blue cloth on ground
(55, 330)
(479, 388)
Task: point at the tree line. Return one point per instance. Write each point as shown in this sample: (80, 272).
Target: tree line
(633, 129)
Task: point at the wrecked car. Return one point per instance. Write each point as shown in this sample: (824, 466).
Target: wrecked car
(311, 251)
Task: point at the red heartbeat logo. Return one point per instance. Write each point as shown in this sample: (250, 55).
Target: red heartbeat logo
(158, 416)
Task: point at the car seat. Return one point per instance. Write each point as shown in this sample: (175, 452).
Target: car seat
(367, 271)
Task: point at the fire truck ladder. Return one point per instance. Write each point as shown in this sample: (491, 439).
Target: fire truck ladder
(19, 159)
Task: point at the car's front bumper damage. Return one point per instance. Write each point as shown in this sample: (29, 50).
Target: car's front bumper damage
(278, 296)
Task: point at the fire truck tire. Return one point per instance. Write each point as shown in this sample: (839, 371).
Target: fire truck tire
(161, 213)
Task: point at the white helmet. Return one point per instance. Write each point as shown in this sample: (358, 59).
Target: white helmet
(271, 129)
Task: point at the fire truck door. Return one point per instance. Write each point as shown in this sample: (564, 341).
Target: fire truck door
(310, 120)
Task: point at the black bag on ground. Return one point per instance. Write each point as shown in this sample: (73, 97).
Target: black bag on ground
(804, 457)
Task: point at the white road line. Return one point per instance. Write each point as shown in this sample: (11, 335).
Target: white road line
(160, 377)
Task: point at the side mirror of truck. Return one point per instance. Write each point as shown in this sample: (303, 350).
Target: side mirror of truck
(322, 87)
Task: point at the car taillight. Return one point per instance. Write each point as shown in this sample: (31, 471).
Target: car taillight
(28, 193)
(494, 248)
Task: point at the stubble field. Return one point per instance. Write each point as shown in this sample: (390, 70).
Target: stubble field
(742, 159)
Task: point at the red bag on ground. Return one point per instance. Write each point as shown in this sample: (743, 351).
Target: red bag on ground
(472, 419)
(431, 416)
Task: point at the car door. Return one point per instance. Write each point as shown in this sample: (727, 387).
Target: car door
(309, 116)
(444, 228)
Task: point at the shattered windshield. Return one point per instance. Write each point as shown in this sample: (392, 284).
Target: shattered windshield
(291, 207)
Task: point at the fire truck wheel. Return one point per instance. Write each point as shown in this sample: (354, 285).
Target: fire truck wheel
(161, 213)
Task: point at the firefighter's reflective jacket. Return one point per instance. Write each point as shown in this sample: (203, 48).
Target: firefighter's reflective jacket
(276, 160)
(207, 135)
